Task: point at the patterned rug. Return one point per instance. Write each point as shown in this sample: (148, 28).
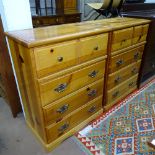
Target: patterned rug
(125, 129)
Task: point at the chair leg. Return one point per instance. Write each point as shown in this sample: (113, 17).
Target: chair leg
(98, 16)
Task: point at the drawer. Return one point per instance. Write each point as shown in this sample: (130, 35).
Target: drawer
(117, 93)
(55, 111)
(92, 47)
(122, 60)
(61, 86)
(140, 33)
(56, 57)
(121, 39)
(51, 59)
(120, 76)
(57, 130)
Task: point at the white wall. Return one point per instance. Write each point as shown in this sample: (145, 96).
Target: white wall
(15, 15)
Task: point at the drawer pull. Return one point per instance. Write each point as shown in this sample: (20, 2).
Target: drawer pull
(117, 79)
(63, 109)
(60, 59)
(119, 62)
(93, 74)
(96, 48)
(92, 109)
(134, 71)
(136, 56)
(114, 95)
(92, 93)
(131, 84)
(63, 127)
(61, 88)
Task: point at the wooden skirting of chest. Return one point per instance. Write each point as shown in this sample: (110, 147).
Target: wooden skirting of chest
(69, 74)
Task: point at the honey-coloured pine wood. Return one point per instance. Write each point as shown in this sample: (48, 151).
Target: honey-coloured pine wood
(66, 73)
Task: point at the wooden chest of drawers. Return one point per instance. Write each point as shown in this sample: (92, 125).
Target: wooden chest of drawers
(68, 74)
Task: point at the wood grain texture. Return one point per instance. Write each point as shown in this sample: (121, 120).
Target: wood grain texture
(27, 84)
(54, 58)
(120, 91)
(64, 73)
(75, 118)
(119, 61)
(8, 83)
(53, 34)
(123, 74)
(72, 82)
(72, 102)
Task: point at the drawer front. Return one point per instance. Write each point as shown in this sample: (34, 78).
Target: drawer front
(124, 59)
(54, 58)
(122, 90)
(120, 76)
(59, 109)
(121, 39)
(57, 88)
(140, 33)
(65, 125)
(92, 47)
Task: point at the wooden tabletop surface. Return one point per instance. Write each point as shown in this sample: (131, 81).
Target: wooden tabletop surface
(52, 34)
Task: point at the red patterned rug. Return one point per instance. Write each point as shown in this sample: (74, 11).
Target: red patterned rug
(123, 130)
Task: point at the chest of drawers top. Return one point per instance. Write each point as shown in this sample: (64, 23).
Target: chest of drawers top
(54, 34)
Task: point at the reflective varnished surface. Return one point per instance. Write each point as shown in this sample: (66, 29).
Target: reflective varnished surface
(52, 34)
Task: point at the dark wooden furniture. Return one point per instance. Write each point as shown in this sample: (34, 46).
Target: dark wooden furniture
(148, 65)
(56, 19)
(65, 11)
(7, 81)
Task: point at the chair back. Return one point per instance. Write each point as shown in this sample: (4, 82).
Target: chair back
(117, 3)
(106, 4)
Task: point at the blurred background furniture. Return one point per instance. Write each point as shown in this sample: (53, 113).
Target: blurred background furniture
(8, 88)
(102, 8)
(145, 10)
(54, 12)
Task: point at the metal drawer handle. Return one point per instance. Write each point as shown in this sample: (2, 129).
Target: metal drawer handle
(92, 109)
(117, 79)
(134, 71)
(60, 59)
(92, 93)
(61, 88)
(63, 127)
(63, 109)
(114, 95)
(96, 48)
(131, 84)
(136, 56)
(119, 62)
(93, 74)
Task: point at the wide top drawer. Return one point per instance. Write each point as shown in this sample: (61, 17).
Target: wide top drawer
(50, 59)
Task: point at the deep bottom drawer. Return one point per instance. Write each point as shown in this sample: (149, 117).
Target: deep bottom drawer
(57, 130)
(122, 90)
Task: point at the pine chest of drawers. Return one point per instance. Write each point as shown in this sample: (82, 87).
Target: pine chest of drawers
(68, 74)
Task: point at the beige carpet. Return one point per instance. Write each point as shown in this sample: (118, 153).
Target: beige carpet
(17, 139)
